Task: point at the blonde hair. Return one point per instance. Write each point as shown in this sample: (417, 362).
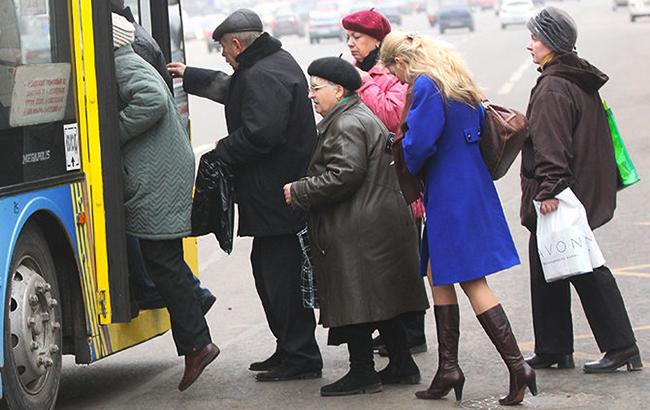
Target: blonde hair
(434, 58)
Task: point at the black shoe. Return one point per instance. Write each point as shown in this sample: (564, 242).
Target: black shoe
(545, 361)
(404, 372)
(269, 364)
(615, 359)
(354, 382)
(207, 300)
(287, 371)
(415, 349)
(377, 344)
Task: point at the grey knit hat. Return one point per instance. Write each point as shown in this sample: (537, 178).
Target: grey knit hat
(555, 28)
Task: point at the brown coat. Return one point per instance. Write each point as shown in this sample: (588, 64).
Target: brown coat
(570, 143)
(364, 241)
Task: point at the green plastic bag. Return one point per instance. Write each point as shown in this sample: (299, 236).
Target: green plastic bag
(627, 174)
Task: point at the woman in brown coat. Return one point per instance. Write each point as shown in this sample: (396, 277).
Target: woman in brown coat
(364, 241)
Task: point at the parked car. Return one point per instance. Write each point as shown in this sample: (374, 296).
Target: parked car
(619, 3)
(453, 14)
(325, 25)
(638, 8)
(287, 22)
(515, 12)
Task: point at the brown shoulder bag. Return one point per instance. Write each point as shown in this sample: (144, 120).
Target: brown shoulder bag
(504, 132)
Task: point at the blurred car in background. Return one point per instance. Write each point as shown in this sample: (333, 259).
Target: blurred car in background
(391, 9)
(638, 8)
(325, 24)
(619, 3)
(287, 22)
(515, 12)
(487, 4)
(452, 14)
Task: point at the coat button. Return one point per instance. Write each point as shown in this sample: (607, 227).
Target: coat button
(469, 137)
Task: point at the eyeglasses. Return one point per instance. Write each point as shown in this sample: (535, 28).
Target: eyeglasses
(314, 88)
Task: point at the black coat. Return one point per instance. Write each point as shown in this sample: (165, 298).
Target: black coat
(271, 134)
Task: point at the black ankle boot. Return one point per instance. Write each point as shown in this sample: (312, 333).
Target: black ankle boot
(615, 359)
(356, 381)
(401, 367)
(544, 361)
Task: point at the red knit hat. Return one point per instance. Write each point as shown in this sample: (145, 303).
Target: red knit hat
(369, 22)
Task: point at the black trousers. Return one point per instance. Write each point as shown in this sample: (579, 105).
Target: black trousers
(413, 324)
(276, 262)
(166, 267)
(601, 301)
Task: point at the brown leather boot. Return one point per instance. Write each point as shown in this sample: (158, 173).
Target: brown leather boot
(195, 362)
(449, 374)
(496, 325)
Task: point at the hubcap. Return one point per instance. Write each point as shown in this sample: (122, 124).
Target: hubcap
(34, 326)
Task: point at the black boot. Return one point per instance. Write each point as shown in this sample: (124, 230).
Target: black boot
(401, 367)
(449, 374)
(545, 361)
(362, 377)
(615, 359)
(270, 363)
(496, 325)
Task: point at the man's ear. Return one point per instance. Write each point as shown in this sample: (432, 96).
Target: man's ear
(237, 45)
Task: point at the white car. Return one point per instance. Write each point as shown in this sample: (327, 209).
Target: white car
(515, 12)
(638, 8)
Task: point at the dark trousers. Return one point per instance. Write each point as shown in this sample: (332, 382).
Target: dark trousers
(164, 262)
(276, 262)
(359, 340)
(601, 301)
(413, 324)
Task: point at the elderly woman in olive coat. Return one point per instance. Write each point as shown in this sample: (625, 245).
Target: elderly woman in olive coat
(364, 241)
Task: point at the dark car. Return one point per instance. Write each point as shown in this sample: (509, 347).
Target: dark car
(453, 15)
(287, 22)
(325, 25)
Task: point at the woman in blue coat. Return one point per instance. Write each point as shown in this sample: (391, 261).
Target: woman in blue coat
(466, 236)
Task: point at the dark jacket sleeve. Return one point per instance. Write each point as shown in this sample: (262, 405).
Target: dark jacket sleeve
(265, 117)
(551, 122)
(147, 48)
(205, 83)
(346, 158)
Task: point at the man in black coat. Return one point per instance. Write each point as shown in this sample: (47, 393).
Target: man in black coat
(271, 138)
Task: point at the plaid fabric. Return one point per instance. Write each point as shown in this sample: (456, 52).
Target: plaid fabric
(308, 286)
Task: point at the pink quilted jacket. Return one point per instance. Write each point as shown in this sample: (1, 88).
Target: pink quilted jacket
(384, 95)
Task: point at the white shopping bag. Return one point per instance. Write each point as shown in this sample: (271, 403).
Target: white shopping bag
(565, 242)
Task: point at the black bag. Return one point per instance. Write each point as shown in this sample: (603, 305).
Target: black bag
(213, 206)
(504, 132)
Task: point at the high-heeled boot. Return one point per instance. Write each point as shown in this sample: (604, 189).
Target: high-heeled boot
(449, 374)
(496, 325)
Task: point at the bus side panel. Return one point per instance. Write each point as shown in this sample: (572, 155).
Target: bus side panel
(61, 203)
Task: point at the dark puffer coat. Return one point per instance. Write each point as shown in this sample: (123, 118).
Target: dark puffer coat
(272, 133)
(364, 241)
(570, 143)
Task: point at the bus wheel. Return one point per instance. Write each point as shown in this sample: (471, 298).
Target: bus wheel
(32, 333)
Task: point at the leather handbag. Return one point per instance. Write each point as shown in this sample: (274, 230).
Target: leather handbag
(504, 133)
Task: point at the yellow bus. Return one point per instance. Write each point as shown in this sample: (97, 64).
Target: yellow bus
(63, 266)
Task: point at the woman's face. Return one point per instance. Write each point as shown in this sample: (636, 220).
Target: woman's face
(360, 44)
(398, 69)
(323, 94)
(538, 50)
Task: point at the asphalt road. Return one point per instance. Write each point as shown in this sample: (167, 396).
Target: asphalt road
(145, 377)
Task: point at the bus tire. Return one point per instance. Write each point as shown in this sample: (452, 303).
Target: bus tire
(32, 331)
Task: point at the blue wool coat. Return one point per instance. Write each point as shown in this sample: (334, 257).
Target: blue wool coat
(466, 235)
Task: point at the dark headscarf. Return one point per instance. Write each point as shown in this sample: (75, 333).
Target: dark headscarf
(555, 29)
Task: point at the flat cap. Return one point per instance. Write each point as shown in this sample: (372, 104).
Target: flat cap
(238, 21)
(336, 70)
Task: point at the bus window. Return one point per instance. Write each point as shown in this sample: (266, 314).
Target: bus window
(35, 93)
(177, 45)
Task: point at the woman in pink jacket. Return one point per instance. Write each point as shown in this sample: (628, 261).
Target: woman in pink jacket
(382, 92)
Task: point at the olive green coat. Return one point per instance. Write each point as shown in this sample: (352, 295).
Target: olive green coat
(364, 240)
